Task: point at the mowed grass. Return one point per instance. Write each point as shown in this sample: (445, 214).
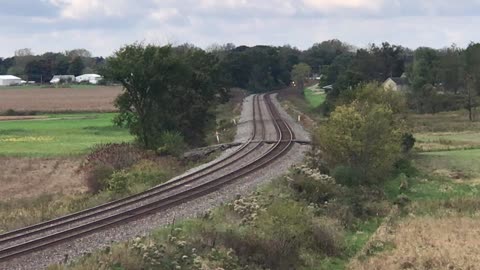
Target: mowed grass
(314, 96)
(462, 164)
(59, 135)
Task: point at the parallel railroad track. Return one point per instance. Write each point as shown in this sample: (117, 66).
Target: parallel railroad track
(27, 240)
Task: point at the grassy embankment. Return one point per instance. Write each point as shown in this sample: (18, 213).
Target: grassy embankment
(59, 135)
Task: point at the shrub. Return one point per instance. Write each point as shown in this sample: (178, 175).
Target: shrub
(172, 143)
(347, 175)
(364, 137)
(276, 237)
(405, 166)
(313, 186)
(105, 159)
(328, 236)
(96, 178)
(117, 155)
(408, 142)
(118, 182)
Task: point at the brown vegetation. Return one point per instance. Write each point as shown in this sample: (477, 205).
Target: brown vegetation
(32, 177)
(58, 100)
(429, 243)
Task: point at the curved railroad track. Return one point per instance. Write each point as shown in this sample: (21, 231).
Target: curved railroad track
(27, 240)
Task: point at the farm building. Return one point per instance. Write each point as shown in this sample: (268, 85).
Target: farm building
(396, 84)
(64, 78)
(7, 80)
(90, 78)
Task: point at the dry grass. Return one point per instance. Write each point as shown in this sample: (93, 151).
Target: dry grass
(429, 243)
(443, 122)
(59, 99)
(30, 178)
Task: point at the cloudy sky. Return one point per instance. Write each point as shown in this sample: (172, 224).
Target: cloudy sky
(102, 26)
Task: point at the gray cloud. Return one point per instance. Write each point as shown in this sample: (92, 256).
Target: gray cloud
(103, 26)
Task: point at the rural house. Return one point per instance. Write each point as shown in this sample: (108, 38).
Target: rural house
(396, 84)
(7, 80)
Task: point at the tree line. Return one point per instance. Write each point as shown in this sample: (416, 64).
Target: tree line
(41, 68)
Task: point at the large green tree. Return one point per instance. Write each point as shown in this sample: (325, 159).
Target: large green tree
(471, 91)
(300, 72)
(76, 66)
(165, 90)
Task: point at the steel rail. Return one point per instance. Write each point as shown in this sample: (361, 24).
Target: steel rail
(114, 205)
(281, 127)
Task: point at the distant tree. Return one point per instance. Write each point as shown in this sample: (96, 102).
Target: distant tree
(300, 72)
(452, 69)
(23, 52)
(323, 54)
(472, 89)
(425, 68)
(76, 67)
(424, 77)
(78, 53)
(39, 71)
(165, 90)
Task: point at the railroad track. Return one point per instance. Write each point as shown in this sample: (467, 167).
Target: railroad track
(27, 240)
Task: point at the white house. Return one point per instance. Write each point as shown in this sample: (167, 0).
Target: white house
(90, 78)
(65, 78)
(7, 80)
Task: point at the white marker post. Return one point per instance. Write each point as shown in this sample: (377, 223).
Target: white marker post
(218, 136)
(299, 118)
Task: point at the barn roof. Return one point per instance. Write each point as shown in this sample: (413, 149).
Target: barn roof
(9, 77)
(400, 80)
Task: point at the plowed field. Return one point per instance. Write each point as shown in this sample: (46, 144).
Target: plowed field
(95, 98)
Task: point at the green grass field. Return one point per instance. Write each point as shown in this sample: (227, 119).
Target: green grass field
(464, 163)
(314, 98)
(59, 135)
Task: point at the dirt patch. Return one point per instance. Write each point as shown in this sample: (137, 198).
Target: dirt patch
(429, 243)
(59, 100)
(16, 118)
(32, 177)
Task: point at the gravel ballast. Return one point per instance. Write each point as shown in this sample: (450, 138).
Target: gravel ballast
(144, 226)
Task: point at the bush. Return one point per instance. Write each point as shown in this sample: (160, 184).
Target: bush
(313, 186)
(172, 144)
(328, 236)
(347, 175)
(364, 137)
(105, 159)
(96, 177)
(408, 142)
(118, 182)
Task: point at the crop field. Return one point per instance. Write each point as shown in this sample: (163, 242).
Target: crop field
(75, 99)
(59, 134)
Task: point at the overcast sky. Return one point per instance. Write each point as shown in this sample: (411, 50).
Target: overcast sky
(102, 26)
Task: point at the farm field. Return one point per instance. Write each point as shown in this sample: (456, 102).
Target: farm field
(59, 135)
(77, 99)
